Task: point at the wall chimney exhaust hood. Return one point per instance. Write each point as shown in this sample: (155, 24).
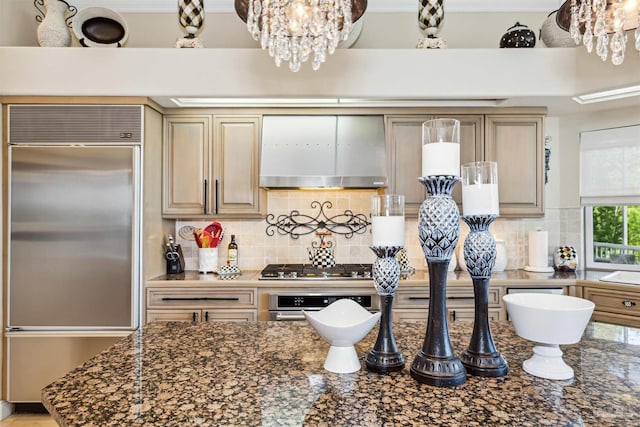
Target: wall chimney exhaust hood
(323, 152)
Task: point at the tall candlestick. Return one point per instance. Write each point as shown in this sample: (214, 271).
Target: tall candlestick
(387, 220)
(441, 147)
(480, 189)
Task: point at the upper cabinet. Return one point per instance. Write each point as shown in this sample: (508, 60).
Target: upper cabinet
(186, 166)
(404, 157)
(404, 142)
(237, 165)
(211, 166)
(514, 141)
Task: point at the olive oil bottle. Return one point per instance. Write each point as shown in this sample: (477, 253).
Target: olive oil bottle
(232, 251)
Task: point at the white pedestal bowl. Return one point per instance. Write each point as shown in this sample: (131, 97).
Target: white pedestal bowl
(550, 321)
(342, 324)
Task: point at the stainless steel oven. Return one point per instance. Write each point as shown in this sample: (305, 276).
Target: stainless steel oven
(289, 306)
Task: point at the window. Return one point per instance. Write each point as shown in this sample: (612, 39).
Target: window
(613, 237)
(610, 194)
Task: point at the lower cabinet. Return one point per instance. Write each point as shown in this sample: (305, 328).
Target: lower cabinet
(36, 359)
(616, 305)
(412, 304)
(201, 305)
(201, 315)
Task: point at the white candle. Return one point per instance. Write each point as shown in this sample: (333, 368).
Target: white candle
(387, 230)
(441, 158)
(480, 199)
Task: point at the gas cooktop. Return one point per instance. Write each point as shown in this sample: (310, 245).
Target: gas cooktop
(310, 272)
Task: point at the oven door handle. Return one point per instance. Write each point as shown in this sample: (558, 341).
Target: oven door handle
(282, 316)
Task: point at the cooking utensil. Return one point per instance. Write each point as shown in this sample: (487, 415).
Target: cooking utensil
(216, 231)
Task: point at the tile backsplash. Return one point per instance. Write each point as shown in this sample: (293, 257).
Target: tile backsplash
(257, 249)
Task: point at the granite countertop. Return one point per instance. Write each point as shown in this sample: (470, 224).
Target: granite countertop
(270, 373)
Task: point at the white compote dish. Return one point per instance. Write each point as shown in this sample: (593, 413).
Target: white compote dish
(550, 321)
(342, 324)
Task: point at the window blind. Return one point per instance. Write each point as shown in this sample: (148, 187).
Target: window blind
(610, 166)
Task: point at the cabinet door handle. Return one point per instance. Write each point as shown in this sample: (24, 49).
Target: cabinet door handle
(628, 304)
(201, 299)
(453, 315)
(206, 316)
(206, 186)
(193, 317)
(216, 189)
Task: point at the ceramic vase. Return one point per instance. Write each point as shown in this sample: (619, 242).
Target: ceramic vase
(191, 17)
(53, 30)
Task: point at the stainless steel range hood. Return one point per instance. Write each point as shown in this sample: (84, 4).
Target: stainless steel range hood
(323, 151)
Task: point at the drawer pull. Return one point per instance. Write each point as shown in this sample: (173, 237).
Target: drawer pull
(201, 299)
(629, 304)
(418, 298)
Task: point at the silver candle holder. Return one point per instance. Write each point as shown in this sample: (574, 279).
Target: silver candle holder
(438, 230)
(385, 356)
(387, 239)
(481, 357)
(481, 207)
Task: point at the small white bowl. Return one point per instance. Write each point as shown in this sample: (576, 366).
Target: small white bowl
(342, 324)
(549, 320)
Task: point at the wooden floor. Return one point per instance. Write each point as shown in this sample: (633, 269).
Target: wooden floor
(28, 420)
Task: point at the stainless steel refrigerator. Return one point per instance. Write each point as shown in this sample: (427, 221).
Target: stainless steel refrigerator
(73, 240)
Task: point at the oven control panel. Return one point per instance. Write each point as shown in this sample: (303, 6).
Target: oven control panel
(315, 302)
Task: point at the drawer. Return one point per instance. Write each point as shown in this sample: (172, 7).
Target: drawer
(162, 298)
(468, 314)
(419, 298)
(465, 314)
(621, 302)
(173, 316)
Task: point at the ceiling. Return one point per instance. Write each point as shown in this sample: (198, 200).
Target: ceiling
(374, 6)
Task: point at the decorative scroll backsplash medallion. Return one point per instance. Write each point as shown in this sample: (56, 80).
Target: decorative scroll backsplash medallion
(297, 224)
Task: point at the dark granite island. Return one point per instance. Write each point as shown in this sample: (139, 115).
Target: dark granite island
(270, 373)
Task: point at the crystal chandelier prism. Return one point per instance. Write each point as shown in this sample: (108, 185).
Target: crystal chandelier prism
(603, 24)
(297, 30)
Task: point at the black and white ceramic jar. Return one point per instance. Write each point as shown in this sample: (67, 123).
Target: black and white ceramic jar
(565, 258)
(518, 36)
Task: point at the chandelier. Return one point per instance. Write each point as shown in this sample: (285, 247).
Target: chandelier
(296, 30)
(603, 23)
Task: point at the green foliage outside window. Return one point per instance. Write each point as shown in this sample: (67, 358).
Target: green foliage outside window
(607, 224)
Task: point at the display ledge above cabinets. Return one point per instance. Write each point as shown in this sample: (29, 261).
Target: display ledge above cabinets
(211, 157)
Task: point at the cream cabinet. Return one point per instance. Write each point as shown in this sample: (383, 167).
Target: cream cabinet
(202, 304)
(618, 304)
(236, 142)
(404, 157)
(404, 147)
(516, 143)
(211, 166)
(186, 166)
(412, 304)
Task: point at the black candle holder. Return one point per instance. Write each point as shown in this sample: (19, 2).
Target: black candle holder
(385, 357)
(438, 231)
(481, 357)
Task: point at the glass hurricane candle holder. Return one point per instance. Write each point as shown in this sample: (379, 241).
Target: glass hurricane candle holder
(480, 189)
(480, 206)
(441, 147)
(387, 229)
